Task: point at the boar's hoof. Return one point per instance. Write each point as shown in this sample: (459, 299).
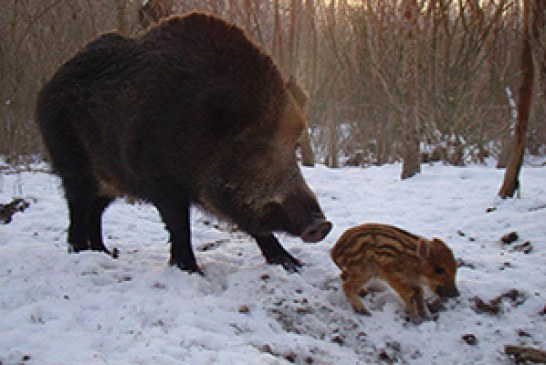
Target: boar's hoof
(114, 253)
(189, 268)
(316, 231)
(75, 249)
(288, 262)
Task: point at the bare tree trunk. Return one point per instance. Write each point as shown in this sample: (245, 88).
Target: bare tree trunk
(312, 69)
(247, 4)
(505, 152)
(540, 37)
(506, 139)
(540, 57)
(511, 175)
(307, 154)
(332, 131)
(122, 16)
(278, 52)
(292, 38)
(332, 105)
(410, 120)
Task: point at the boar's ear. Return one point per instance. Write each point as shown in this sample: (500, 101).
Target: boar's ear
(223, 108)
(297, 92)
(423, 248)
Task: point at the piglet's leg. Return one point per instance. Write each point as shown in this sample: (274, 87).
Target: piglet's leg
(352, 287)
(274, 253)
(411, 295)
(421, 304)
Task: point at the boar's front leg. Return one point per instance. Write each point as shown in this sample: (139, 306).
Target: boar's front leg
(274, 253)
(176, 216)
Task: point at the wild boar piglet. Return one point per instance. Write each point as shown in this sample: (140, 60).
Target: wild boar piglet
(405, 261)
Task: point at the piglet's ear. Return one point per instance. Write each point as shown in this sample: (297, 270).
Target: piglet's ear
(437, 241)
(423, 249)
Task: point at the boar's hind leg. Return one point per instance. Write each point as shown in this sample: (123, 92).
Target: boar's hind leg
(71, 163)
(176, 216)
(94, 225)
(77, 229)
(274, 253)
(80, 191)
(85, 210)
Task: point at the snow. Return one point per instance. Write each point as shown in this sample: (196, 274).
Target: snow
(87, 308)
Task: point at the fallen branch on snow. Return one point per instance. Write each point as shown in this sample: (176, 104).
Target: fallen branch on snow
(8, 210)
(526, 354)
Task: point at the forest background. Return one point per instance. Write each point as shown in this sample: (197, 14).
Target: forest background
(411, 80)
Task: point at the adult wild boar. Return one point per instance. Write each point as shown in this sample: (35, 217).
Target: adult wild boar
(190, 112)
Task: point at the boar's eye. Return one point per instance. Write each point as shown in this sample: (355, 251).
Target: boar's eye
(439, 271)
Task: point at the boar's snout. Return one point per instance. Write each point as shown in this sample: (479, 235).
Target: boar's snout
(317, 230)
(298, 215)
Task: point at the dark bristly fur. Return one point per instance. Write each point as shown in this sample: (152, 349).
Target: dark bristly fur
(191, 111)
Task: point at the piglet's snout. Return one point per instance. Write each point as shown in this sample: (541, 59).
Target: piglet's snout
(447, 292)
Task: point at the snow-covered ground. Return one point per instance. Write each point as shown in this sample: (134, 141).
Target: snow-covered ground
(88, 308)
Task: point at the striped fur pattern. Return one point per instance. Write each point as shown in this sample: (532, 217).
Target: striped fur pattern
(402, 259)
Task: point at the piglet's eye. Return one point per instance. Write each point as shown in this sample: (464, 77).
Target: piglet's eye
(439, 271)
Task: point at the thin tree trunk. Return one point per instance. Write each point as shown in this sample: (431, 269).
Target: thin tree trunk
(248, 15)
(332, 110)
(121, 16)
(307, 154)
(410, 121)
(332, 127)
(511, 175)
(504, 156)
(314, 46)
(292, 38)
(540, 56)
(278, 52)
